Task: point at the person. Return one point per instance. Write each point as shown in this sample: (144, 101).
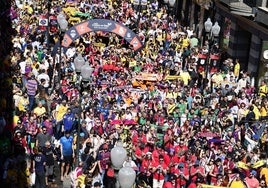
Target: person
(68, 120)
(104, 158)
(32, 87)
(159, 170)
(40, 111)
(97, 184)
(236, 182)
(19, 127)
(67, 153)
(50, 155)
(197, 171)
(42, 137)
(251, 181)
(61, 109)
(182, 175)
(263, 89)
(39, 162)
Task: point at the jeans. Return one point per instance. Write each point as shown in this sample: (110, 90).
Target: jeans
(31, 102)
(40, 181)
(57, 132)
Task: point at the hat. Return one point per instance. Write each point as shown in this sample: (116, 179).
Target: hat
(181, 165)
(253, 172)
(149, 153)
(96, 184)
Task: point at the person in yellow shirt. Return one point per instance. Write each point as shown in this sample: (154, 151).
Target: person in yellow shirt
(263, 90)
(236, 182)
(217, 79)
(40, 110)
(61, 109)
(185, 77)
(264, 173)
(236, 69)
(23, 103)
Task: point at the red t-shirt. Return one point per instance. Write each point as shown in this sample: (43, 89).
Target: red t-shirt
(170, 185)
(193, 170)
(141, 152)
(159, 175)
(178, 172)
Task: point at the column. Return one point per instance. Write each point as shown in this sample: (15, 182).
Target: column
(254, 54)
(239, 44)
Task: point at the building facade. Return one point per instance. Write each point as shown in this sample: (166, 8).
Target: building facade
(244, 29)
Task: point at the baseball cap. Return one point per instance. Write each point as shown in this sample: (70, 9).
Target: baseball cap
(253, 172)
(181, 165)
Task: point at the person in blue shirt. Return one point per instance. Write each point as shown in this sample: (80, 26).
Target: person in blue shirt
(67, 153)
(39, 162)
(68, 120)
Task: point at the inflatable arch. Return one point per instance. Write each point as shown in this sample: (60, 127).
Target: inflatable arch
(100, 25)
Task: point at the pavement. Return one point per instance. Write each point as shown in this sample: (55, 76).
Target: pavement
(58, 184)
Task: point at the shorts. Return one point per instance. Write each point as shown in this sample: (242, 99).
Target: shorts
(49, 170)
(67, 159)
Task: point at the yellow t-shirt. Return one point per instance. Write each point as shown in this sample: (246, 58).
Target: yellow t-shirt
(264, 172)
(39, 110)
(237, 184)
(263, 90)
(236, 69)
(61, 110)
(185, 76)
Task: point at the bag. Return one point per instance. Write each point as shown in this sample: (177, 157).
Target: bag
(32, 179)
(110, 172)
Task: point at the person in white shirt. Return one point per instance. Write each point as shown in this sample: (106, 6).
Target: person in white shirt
(45, 76)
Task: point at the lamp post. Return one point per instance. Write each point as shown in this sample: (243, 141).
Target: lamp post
(84, 72)
(171, 4)
(212, 34)
(63, 23)
(48, 22)
(208, 26)
(215, 30)
(126, 175)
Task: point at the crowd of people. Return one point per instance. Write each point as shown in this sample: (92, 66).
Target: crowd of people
(184, 122)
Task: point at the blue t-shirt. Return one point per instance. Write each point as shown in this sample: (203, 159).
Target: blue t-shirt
(39, 160)
(68, 121)
(67, 145)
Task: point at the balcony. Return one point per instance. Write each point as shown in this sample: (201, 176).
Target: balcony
(238, 7)
(262, 15)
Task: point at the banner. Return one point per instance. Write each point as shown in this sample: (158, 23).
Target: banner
(211, 186)
(101, 25)
(148, 77)
(172, 77)
(208, 134)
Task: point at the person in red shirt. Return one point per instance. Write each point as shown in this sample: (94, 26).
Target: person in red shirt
(159, 170)
(157, 152)
(171, 183)
(196, 184)
(145, 169)
(139, 137)
(181, 147)
(215, 172)
(140, 151)
(251, 181)
(169, 139)
(182, 174)
(197, 171)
